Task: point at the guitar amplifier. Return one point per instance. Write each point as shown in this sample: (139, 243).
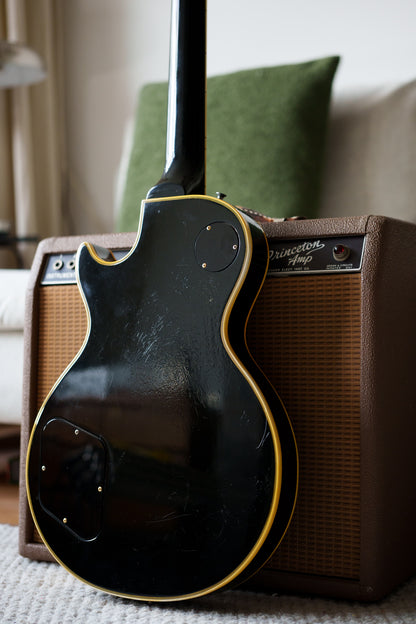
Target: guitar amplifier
(334, 330)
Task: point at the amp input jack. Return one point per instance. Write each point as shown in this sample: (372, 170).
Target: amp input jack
(57, 265)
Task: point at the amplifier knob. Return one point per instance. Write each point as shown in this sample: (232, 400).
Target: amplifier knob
(341, 252)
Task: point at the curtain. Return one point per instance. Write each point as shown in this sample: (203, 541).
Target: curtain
(32, 138)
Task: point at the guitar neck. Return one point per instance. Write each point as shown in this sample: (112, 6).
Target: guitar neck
(184, 171)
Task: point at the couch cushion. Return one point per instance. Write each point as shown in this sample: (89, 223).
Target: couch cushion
(265, 139)
(371, 153)
(11, 376)
(13, 284)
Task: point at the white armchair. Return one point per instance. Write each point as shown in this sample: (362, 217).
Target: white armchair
(13, 284)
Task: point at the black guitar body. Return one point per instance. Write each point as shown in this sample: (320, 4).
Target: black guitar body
(155, 468)
(163, 466)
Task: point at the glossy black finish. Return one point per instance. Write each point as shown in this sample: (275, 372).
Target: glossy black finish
(154, 468)
(169, 485)
(73, 470)
(184, 171)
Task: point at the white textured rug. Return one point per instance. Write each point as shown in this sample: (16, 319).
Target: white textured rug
(44, 593)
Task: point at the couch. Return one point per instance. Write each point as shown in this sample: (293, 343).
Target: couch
(12, 303)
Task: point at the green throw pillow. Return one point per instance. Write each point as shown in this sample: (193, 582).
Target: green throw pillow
(265, 139)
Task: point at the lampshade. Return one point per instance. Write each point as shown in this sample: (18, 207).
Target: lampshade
(19, 65)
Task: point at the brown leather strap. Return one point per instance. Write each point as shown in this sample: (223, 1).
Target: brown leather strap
(261, 218)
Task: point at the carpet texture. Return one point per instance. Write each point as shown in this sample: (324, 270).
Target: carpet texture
(44, 593)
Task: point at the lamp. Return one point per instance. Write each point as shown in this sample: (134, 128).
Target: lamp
(19, 65)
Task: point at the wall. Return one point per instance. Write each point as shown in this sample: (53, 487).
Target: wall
(112, 48)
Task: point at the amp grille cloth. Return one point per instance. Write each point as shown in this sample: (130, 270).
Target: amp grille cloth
(305, 334)
(61, 333)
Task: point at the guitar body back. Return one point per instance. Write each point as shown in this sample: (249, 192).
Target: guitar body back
(163, 465)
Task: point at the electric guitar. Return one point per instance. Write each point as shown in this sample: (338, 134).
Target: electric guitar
(162, 465)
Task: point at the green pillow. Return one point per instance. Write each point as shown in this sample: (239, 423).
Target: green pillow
(265, 139)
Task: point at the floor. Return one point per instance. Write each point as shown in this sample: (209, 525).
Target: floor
(9, 463)
(9, 504)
